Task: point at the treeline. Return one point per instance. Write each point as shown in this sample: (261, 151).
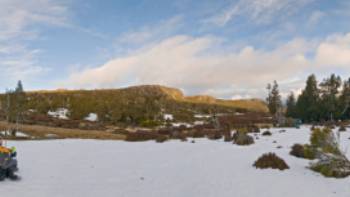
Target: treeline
(325, 101)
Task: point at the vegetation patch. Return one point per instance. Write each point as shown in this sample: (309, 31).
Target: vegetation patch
(266, 133)
(271, 160)
(242, 138)
(303, 151)
(330, 165)
(342, 128)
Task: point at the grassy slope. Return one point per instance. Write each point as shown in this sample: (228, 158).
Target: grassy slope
(135, 104)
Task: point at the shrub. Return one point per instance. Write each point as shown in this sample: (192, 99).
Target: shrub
(198, 133)
(140, 136)
(149, 123)
(162, 138)
(227, 138)
(270, 160)
(298, 151)
(253, 129)
(324, 139)
(266, 133)
(214, 135)
(332, 166)
(342, 128)
(241, 138)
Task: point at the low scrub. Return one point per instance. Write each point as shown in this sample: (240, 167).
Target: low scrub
(266, 133)
(242, 138)
(161, 138)
(329, 165)
(303, 151)
(324, 140)
(271, 160)
(253, 129)
(141, 136)
(342, 128)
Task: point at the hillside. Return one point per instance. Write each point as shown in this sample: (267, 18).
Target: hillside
(134, 104)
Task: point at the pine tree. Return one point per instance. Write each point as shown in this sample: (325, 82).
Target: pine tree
(291, 106)
(307, 107)
(274, 102)
(329, 89)
(344, 101)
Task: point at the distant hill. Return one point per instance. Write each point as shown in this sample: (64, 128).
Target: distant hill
(135, 104)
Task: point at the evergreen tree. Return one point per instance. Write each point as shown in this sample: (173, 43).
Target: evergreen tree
(329, 89)
(15, 104)
(307, 107)
(291, 106)
(274, 102)
(344, 101)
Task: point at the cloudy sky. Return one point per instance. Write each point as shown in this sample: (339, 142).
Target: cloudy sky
(224, 48)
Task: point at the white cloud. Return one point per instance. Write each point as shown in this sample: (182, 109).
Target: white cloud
(150, 32)
(335, 52)
(193, 65)
(17, 28)
(258, 11)
(189, 63)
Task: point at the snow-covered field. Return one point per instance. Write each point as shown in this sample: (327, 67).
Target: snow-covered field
(90, 168)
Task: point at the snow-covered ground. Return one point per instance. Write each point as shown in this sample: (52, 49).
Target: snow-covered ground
(89, 168)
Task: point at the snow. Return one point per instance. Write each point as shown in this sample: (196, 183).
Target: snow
(168, 117)
(92, 117)
(206, 168)
(178, 124)
(202, 116)
(60, 113)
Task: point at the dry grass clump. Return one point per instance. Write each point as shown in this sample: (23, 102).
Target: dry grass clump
(266, 133)
(270, 160)
(253, 129)
(162, 138)
(342, 128)
(303, 151)
(140, 135)
(242, 138)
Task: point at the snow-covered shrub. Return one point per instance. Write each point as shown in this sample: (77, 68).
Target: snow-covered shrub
(331, 162)
(324, 140)
(266, 133)
(242, 138)
(331, 165)
(270, 160)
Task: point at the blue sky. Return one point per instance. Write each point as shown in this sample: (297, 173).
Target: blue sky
(227, 48)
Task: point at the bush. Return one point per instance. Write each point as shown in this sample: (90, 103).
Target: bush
(140, 136)
(162, 138)
(309, 152)
(270, 160)
(332, 166)
(303, 151)
(227, 137)
(253, 129)
(214, 135)
(149, 123)
(241, 138)
(266, 133)
(324, 139)
(342, 128)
